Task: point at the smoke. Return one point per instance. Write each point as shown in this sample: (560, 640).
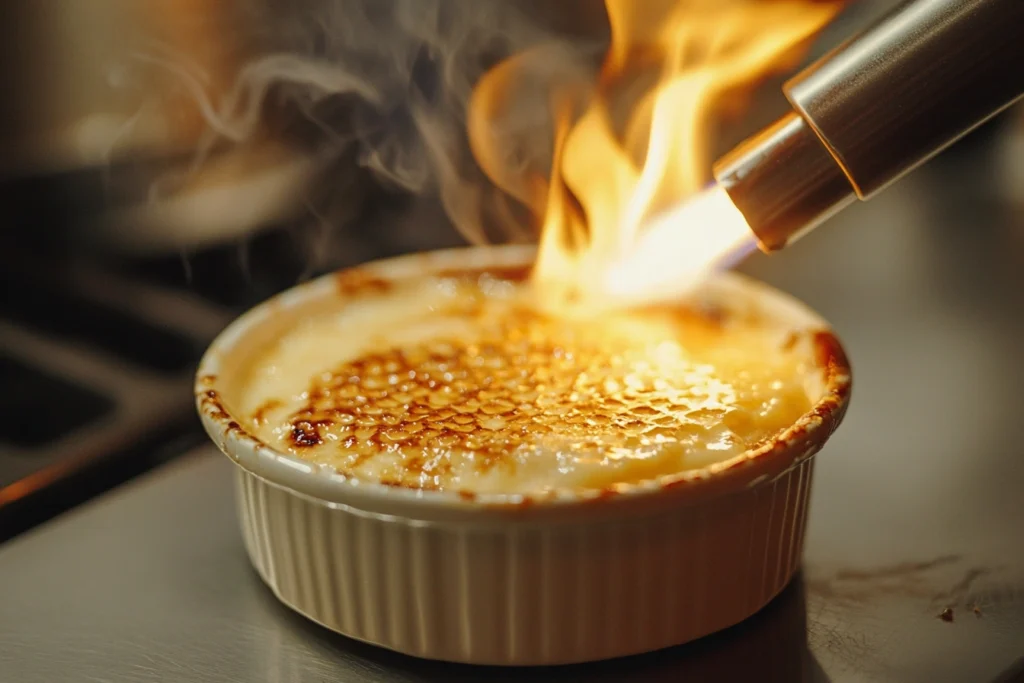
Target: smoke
(386, 84)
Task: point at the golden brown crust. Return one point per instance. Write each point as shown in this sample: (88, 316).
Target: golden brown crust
(358, 281)
(260, 415)
(514, 274)
(527, 381)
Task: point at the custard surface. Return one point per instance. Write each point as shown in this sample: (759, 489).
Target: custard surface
(459, 383)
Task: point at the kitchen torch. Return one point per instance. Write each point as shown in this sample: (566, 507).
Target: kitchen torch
(875, 108)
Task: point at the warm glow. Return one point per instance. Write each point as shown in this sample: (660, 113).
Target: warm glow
(632, 147)
(677, 249)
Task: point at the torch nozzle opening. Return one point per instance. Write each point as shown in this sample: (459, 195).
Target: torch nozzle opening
(784, 181)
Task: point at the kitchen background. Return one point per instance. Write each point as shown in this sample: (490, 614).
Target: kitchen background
(119, 263)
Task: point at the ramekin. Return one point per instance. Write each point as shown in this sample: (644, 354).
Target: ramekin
(563, 578)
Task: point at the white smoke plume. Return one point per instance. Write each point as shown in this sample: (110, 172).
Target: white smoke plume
(387, 83)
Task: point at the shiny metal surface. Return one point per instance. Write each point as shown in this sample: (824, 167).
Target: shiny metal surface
(882, 103)
(917, 505)
(784, 182)
(912, 84)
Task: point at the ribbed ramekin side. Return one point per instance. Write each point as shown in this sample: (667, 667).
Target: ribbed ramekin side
(528, 594)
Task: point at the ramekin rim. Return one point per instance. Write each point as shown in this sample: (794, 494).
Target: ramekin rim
(801, 440)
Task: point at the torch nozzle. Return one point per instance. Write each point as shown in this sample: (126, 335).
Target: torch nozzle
(875, 108)
(784, 182)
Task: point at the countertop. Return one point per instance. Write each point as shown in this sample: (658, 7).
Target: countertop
(917, 507)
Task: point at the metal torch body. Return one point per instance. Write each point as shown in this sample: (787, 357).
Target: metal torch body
(875, 108)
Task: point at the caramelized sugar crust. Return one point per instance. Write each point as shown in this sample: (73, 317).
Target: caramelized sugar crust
(513, 400)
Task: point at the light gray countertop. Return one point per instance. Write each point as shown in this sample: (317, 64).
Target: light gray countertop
(918, 503)
(152, 583)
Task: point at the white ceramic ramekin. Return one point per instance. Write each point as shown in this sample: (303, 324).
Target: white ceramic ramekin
(519, 580)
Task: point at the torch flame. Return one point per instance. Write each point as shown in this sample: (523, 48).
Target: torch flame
(612, 210)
